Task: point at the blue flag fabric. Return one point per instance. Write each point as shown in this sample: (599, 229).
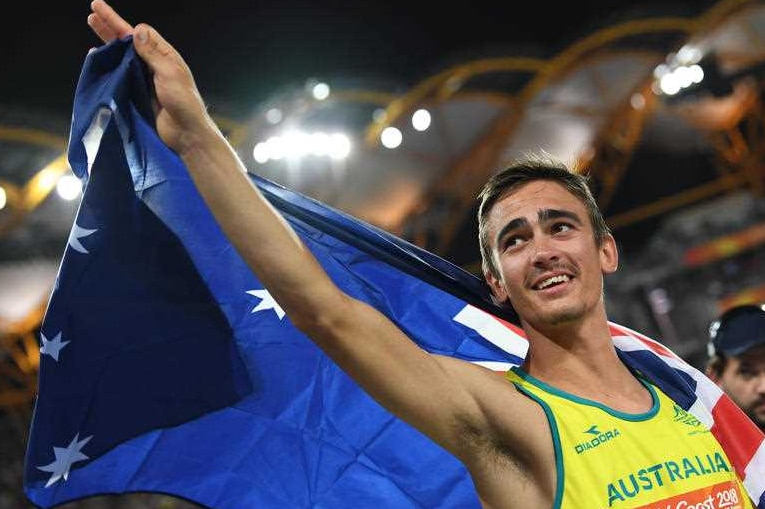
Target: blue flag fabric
(166, 366)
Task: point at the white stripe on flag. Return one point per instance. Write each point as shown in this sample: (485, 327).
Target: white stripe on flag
(495, 365)
(493, 330)
(755, 477)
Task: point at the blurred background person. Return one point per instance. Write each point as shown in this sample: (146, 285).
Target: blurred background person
(737, 357)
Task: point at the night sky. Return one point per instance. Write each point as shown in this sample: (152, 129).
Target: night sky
(242, 51)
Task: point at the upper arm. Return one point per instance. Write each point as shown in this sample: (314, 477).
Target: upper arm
(462, 406)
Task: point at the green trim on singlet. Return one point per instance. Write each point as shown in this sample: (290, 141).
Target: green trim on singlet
(582, 401)
(556, 445)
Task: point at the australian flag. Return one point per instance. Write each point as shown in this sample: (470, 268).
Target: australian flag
(167, 367)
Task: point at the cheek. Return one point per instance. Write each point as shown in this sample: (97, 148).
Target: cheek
(512, 270)
(735, 382)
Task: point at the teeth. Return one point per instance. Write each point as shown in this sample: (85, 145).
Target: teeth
(556, 279)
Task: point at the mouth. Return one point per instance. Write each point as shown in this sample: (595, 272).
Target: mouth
(551, 281)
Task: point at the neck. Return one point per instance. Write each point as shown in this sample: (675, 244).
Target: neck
(583, 361)
(585, 342)
(571, 355)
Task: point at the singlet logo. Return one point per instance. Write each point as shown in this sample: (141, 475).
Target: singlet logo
(596, 438)
(683, 417)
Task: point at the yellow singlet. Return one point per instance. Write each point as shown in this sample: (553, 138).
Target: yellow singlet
(661, 459)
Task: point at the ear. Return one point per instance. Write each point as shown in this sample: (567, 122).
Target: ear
(498, 292)
(609, 255)
(714, 368)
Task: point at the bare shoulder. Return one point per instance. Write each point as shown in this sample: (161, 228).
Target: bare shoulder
(499, 417)
(506, 440)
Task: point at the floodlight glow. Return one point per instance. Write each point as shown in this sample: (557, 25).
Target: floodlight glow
(696, 73)
(683, 77)
(68, 187)
(318, 144)
(260, 152)
(294, 144)
(689, 54)
(669, 84)
(421, 119)
(687, 76)
(320, 91)
(637, 101)
(47, 178)
(391, 137)
(682, 70)
(339, 146)
(274, 116)
(276, 148)
(297, 144)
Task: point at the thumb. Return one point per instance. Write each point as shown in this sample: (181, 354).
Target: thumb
(141, 33)
(150, 45)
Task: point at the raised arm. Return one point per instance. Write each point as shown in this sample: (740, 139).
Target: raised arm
(435, 394)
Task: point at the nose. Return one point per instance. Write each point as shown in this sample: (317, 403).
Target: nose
(544, 252)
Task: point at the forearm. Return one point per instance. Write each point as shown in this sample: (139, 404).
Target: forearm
(257, 231)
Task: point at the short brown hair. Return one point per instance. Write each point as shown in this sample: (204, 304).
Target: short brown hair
(531, 168)
(716, 365)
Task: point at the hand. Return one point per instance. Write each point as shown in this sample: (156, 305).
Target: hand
(181, 115)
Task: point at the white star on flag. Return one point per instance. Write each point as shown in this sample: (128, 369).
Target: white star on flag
(267, 302)
(65, 457)
(76, 234)
(52, 347)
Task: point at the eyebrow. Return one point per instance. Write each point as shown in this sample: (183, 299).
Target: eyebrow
(548, 214)
(543, 215)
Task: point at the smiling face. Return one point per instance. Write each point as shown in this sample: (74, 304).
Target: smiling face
(549, 265)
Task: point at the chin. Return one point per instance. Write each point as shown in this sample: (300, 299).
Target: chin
(563, 315)
(562, 319)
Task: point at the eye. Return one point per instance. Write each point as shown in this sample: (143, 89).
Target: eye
(562, 227)
(746, 372)
(512, 241)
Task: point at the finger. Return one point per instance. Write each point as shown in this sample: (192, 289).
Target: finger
(106, 23)
(101, 29)
(152, 47)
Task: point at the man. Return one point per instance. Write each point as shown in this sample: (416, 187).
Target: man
(569, 432)
(737, 358)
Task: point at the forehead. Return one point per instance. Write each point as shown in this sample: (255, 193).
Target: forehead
(529, 199)
(753, 355)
